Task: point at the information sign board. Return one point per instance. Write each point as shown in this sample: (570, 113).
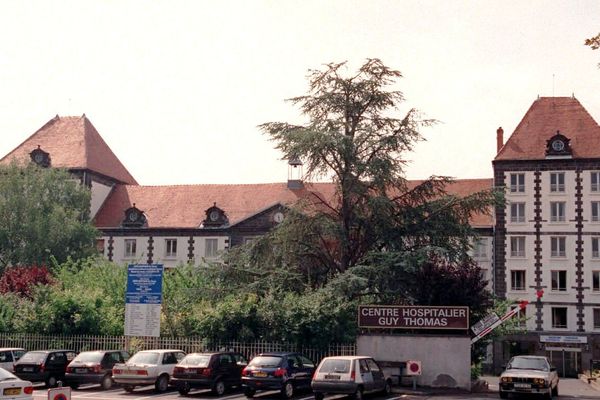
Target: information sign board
(143, 299)
(413, 317)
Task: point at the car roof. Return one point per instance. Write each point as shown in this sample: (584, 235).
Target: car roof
(161, 351)
(278, 353)
(347, 357)
(51, 351)
(535, 357)
(11, 348)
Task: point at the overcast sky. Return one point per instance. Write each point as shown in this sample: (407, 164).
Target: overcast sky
(177, 88)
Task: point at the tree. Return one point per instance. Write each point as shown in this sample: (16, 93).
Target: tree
(354, 135)
(44, 216)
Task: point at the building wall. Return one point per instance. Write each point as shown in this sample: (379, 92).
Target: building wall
(100, 192)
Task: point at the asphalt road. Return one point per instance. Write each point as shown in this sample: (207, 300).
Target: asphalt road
(569, 389)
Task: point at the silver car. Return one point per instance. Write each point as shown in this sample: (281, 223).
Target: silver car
(529, 374)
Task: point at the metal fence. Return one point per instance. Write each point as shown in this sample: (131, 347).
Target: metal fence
(187, 344)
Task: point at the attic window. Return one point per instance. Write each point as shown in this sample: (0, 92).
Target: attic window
(40, 157)
(558, 146)
(134, 217)
(215, 217)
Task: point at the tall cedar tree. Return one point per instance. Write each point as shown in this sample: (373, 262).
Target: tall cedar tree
(354, 136)
(44, 216)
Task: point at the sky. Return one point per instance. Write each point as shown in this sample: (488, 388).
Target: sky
(178, 88)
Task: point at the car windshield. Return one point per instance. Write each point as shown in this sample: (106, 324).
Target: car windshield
(6, 376)
(265, 361)
(89, 356)
(199, 360)
(33, 357)
(528, 363)
(144, 357)
(333, 365)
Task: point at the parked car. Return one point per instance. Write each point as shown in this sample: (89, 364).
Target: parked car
(148, 367)
(94, 367)
(529, 374)
(217, 371)
(8, 357)
(46, 366)
(286, 372)
(354, 375)
(13, 388)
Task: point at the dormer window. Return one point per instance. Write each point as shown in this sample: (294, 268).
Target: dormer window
(134, 217)
(558, 145)
(40, 157)
(215, 217)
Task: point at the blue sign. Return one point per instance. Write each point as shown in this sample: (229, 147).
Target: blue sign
(144, 284)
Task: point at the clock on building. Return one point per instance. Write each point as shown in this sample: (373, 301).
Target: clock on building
(278, 217)
(558, 145)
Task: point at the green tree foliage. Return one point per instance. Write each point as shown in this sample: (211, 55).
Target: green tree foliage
(44, 215)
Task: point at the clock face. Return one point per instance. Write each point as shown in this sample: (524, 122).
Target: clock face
(39, 157)
(214, 215)
(133, 216)
(278, 217)
(558, 145)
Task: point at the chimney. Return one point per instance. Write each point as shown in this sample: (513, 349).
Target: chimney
(499, 139)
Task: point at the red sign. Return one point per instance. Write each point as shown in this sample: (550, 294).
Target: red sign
(413, 317)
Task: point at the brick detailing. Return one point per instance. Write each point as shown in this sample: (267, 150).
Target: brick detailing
(191, 249)
(500, 239)
(150, 249)
(111, 242)
(537, 212)
(579, 250)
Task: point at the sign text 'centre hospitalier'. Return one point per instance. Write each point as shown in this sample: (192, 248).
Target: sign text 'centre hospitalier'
(413, 317)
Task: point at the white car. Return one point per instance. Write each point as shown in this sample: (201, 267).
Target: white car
(353, 375)
(8, 357)
(529, 375)
(148, 367)
(13, 388)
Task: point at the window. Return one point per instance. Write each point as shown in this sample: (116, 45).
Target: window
(595, 211)
(596, 281)
(595, 186)
(596, 318)
(517, 212)
(170, 247)
(559, 280)
(517, 280)
(517, 183)
(557, 211)
(559, 317)
(557, 182)
(211, 246)
(557, 246)
(517, 246)
(100, 246)
(480, 248)
(595, 248)
(130, 247)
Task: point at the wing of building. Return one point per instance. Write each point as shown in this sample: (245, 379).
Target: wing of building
(545, 239)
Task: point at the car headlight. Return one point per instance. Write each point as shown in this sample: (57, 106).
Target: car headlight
(539, 381)
(506, 379)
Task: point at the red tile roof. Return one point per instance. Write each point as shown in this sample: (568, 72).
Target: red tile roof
(73, 143)
(183, 206)
(546, 116)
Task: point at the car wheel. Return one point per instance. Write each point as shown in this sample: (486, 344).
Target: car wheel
(387, 389)
(162, 383)
(106, 382)
(319, 396)
(51, 381)
(74, 385)
(287, 391)
(219, 388)
(358, 395)
(249, 392)
(128, 388)
(183, 388)
(503, 395)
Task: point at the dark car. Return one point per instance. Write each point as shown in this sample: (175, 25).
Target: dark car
(94, 367)
(217, 371)
(46, 366)
(286, 372)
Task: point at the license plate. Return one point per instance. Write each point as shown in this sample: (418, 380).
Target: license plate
(332, 377)
(11, 391)
(28, 369)
(80, 370)
(522, 386)
(260, 374)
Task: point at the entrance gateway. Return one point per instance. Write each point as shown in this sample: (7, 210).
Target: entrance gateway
(443, 350)
(564, 352)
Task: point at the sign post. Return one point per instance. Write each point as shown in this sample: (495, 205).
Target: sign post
(143, 299)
